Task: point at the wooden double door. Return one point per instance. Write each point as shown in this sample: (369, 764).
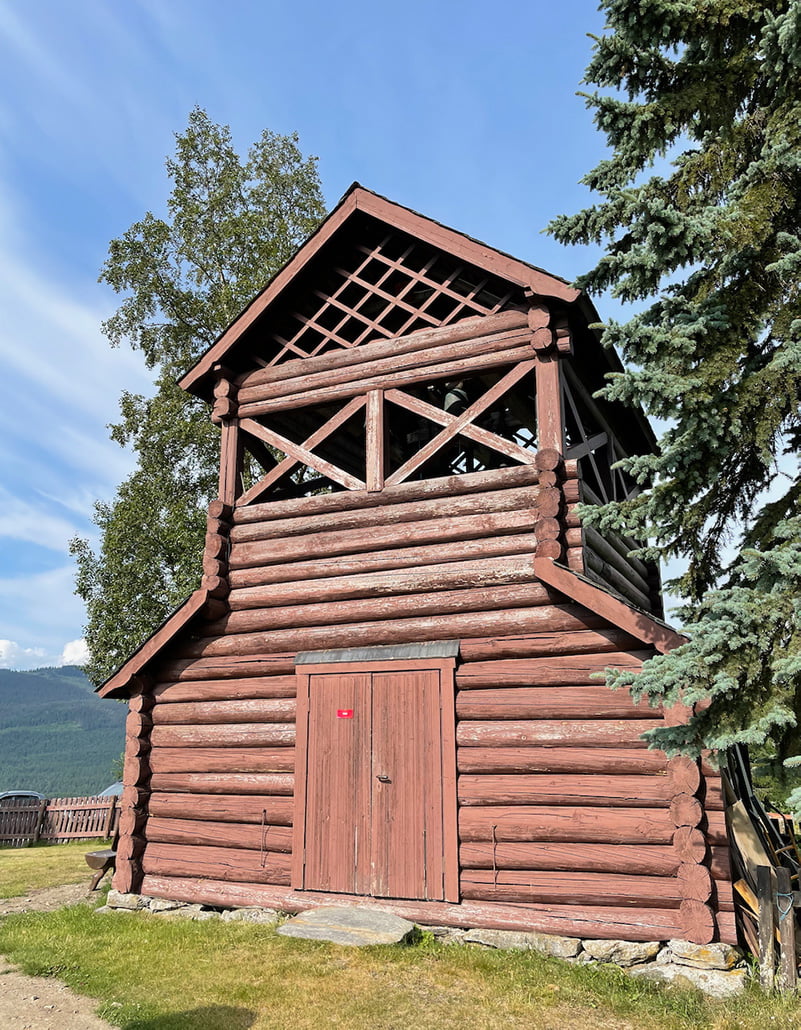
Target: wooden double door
(375, 781)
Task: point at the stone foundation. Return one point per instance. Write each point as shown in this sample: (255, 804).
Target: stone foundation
(715, 969)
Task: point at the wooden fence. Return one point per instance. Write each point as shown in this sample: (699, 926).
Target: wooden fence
(56, 820)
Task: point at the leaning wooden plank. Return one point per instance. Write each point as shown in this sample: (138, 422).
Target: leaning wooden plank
(549, 618)
(521, 544)
(249, 836)
(217, 713)
(224, 783)
(238, 808)
(222, 759)
(568, 702)
(238, 865)
(593, 921)
(484, 572)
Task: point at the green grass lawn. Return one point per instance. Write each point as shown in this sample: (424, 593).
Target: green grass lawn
(44, 865)
(150, 973)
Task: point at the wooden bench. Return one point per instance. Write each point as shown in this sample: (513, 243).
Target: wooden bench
(102, 861)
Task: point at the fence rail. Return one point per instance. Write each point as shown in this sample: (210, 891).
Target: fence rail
(56, 820)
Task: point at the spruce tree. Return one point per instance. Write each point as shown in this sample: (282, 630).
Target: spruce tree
(230, 225)
(697, 210)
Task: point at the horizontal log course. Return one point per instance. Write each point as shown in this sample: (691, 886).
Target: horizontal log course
(249, 836)
(559, 759)
(522, 544)
(597, 639)
(488, 326)
(227, 667)
(225, 689)
(224, 783)
(411, 490)
(388, 364)
(556, 670)
(237, 865)
(555, 733)
(578, 789)
(484, 572)
(603, 922)
(686, 810)
(630, 859)
(454, 369)
(690, 844)
(545, 618)
(516, 499)
(238, 808)
(218, 713)
(222, 759)
(327, 613)
(624, 585)
(376, 538)
(597, 702)
(238, 735)
(543, 887)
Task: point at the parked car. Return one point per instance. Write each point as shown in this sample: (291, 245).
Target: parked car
(20, 797)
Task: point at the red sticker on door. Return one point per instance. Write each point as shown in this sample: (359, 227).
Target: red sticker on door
(344, 713)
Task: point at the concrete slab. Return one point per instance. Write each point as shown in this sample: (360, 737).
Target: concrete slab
(349, 925)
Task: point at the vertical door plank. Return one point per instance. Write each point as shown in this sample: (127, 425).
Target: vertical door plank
(407, 786)
(337, 824)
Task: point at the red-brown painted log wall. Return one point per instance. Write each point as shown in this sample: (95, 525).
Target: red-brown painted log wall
(560, 802)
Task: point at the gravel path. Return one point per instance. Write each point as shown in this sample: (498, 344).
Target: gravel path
(42, 1003)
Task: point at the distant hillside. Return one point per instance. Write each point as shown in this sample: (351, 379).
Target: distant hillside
(56, 735)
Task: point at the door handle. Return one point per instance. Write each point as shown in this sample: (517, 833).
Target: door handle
(383, 778)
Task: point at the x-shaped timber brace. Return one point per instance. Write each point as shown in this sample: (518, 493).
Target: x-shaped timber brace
(548, 346)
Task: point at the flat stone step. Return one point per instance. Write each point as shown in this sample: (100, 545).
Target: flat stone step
(349, 925)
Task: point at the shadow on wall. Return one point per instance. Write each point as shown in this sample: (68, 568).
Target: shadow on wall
(209, 1017)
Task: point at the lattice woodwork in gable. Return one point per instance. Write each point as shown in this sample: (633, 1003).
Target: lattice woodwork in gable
(376, 282)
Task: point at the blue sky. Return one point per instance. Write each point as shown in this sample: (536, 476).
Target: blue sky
(466, 112)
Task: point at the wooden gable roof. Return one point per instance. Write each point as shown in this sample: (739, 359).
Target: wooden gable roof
(356, 280)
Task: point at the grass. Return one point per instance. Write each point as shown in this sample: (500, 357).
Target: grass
(44, 865)
(150, 973)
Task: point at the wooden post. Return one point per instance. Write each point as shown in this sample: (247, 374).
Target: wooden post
(375, 436)
(767, 929)
(788, 974)
(40, 819)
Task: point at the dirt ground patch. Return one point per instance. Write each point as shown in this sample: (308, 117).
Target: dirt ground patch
(41, 1003)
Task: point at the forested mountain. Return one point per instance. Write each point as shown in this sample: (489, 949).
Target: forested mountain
(56, 735)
